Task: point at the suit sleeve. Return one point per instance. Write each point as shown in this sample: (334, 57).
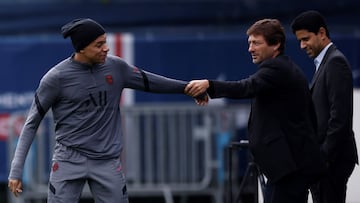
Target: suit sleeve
(339, 85)
(267, 78)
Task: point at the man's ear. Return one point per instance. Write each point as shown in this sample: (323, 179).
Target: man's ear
(322, 32)
(276, 47)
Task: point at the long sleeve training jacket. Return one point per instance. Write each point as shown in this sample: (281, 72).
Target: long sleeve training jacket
(85, 105)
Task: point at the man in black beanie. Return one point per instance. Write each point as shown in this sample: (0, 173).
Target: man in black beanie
(83, 92)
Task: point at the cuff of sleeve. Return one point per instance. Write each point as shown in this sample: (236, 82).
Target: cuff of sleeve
(211, 89)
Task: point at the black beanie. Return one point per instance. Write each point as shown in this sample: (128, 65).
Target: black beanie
(82, 32)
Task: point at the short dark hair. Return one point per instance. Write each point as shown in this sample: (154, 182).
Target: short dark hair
(311, 21)
(272, 30)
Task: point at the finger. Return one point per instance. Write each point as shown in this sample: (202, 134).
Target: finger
(13, 190)
(11, 187)
(190, 89)
(201, 102)
(194, 88)
(192, 92)
(196, 91)
(189, 86)
(17, 192)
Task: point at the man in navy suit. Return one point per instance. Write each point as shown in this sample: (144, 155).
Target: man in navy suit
(282, 119)
(332, 93)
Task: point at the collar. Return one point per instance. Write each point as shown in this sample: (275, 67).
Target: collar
(80, 64)
(320, 57)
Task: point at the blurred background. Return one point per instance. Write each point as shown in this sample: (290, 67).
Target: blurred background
(174, 151)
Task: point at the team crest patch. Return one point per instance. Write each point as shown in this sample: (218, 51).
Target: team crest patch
(55, 167)
(109, 79)
(136, 69)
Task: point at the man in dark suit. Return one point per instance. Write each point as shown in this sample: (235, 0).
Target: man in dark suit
(332, 93)
(281, 124)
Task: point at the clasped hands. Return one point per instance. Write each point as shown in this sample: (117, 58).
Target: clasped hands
(197, 90)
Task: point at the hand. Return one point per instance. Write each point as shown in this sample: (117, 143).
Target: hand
(196, 87)
(15, 186)
(202, 100)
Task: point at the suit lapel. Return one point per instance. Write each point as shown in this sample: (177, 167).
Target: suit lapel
(321, 67)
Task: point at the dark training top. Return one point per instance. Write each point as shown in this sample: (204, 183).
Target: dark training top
(85, 102)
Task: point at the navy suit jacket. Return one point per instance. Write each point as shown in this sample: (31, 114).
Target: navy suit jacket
(282, 121)
(332, 93)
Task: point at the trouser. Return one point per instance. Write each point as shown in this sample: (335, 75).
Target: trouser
(292, 188)
(105, 178)
(332, 187)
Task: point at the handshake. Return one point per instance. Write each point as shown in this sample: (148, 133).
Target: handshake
(197, 90)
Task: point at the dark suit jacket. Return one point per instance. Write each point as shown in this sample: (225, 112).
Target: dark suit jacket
(281, 124)
(332, 93)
